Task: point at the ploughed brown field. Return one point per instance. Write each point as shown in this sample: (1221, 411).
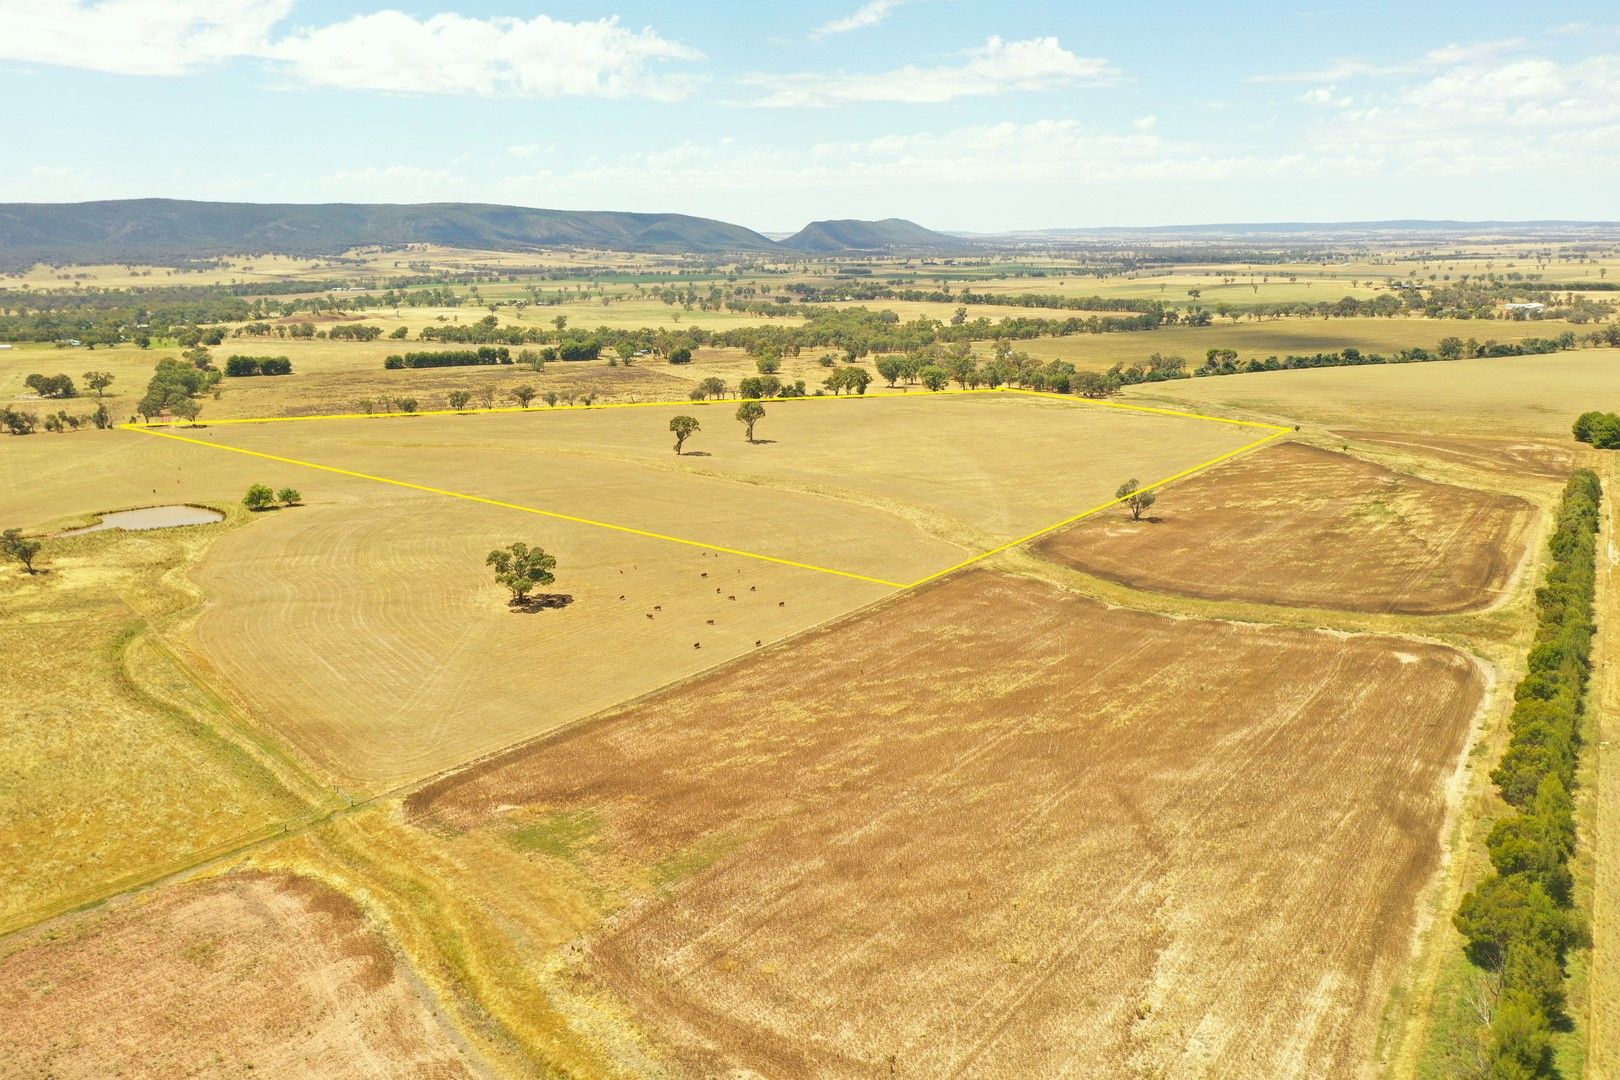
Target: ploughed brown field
(1515, 457)
(247, 975)
(1301, 526)
(993, 828)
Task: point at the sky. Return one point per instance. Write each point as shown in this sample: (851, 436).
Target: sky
(958, 114)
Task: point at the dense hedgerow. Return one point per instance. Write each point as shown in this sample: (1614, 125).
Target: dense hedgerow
(238, 366)
(451, 358)
(1520, 922)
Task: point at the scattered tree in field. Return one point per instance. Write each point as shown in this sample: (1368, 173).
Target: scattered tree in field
(98, 381)
(101, 418)
(486, 395)
(524, 394)
(405, 404)
(551, 398)
(769, 364)
(51, 386)
(259, 497)
(760, 386)
(682, 355)
(460, 399)
(709, 388)
(750, 413)
(684, 428)
(521, 569)
(14, 545)
(289, 497)
(187, 409)
(1135, 499)
(934, 377)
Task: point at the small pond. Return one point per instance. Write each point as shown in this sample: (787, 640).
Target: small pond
(151, 517)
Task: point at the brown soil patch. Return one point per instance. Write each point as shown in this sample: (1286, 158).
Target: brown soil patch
(997, 829)
(279, 975)
(1515, 457)
(1305, 527)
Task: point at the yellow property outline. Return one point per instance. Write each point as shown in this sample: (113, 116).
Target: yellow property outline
(1276, 431)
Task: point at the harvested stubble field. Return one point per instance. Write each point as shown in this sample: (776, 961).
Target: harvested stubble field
(1535, 396)
(894, 487)
(1154, 870)
(364, 628)
(1256, 340)
(367, 632)
(1299, 525)
(278, 976)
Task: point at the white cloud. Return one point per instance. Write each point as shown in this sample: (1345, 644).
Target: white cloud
(997, 67)
(453, 54)
(868, 14)
(1145, 123)
(136, 37)
(1324, 96)
(386, 50)
(1478, 117)
(1347, 68)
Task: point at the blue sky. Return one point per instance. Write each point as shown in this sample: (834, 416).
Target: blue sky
(956, 113)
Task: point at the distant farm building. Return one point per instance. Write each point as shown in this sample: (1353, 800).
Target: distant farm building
(1531, 308)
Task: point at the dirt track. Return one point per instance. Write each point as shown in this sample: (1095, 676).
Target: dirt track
(275, 975)
(994, 829)
(1297, 525)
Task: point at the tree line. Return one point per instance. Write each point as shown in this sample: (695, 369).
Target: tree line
(1520, 923)
(241, 366)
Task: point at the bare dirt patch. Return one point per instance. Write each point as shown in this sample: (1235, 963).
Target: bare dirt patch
(279, 975)
(1306, 527)
(996, 829)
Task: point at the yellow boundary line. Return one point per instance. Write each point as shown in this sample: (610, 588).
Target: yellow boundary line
(1276, 432)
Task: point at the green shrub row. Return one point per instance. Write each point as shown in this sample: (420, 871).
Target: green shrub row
(238, 366)
(451, 358)
(1520, 922)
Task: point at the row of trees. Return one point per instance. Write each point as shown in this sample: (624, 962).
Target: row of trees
(450, 358)
(1225, 361)
(240, 366)
(23, 422)
(1520, 923)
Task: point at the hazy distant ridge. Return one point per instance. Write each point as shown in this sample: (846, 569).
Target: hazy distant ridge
(166, 230)
(890, 234)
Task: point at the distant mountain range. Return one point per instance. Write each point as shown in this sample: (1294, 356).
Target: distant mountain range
(165, 231)
(173, 231)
